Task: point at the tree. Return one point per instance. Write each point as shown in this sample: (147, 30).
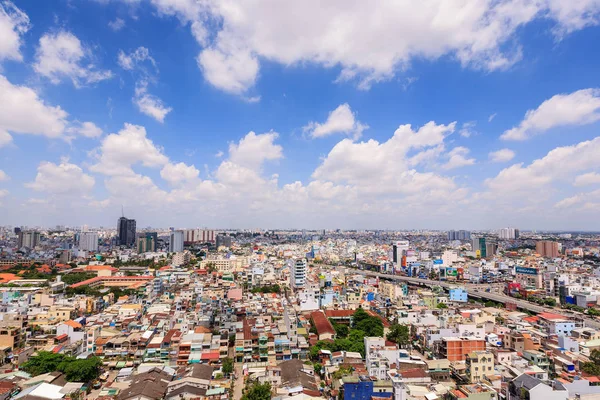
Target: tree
(317, 367)
(258, 391)
(341, 330)
(227, 366)
(593, 366)
(399, 334)
(594, 312)
(75, 370)
(442, 306)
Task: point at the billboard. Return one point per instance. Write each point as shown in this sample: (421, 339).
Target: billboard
(438, 261)
(526, 270)
(451, 272)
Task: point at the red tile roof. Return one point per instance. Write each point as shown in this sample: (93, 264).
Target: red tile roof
(321, 323)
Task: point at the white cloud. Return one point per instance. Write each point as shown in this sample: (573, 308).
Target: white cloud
(3, 193)
(578, 108)
(502, 155)
(584, 201)
(253, 150)
(135, 58)
(180, 172)
(219, 154)
(22, 111)
(149, 104)
(341, 120)
(356, 163)
(63, 178)
(479, 34)
(3, 176)
(61, 55)
(120, 151)
(590, 178)
(117, 24)
(457, 157)
(13, 24)
(491, 117)
(467, 129)
(85, 129)
(559, 164)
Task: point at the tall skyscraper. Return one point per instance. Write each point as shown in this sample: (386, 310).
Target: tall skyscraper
(547, 248)
(88, 241)
(29, 239)
(485, 247)
(126, 231)
(176, 241)
(192, 236)
(146, 242)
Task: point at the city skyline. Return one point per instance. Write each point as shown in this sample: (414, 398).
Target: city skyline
(485, 120)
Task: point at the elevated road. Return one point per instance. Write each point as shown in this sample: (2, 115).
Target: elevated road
(478, 290)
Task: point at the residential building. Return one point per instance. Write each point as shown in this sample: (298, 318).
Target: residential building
(479, 365)
(176, 240)
(547, 248)
(88, 241)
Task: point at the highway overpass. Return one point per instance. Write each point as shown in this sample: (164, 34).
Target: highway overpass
(478, 290)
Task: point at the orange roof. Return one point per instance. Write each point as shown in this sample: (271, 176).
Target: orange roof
(73, 324)
(7, 277)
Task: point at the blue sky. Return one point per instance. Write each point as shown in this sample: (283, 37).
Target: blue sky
(464, 114)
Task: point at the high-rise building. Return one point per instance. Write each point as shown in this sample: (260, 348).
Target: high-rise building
(176, 241)
(193, 236)
(224, 241)
(298, 273)
(459, 235)
(88, 241)
(126, 231)
(508, 233)
(547, 248)
(29, 239)
(484, 247)
(146, 242)
(399, 248)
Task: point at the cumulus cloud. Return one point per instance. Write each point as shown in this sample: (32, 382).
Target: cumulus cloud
(559, 164)
(63, 178)
(467, 129)
(13, 24)
(61, 55)
(578, 108)
(135, 58)
(477, 34)
(341, 120)
(23, 111)
(590, 178)
(253, 150)
(130, 146)
(85, 129)
(149, 104)
(180, 172)
(502, 155)
(3, 176)
(458, 157)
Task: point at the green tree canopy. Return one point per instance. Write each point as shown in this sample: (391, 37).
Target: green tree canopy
(75, 370)
(258, 391)
(399, 334)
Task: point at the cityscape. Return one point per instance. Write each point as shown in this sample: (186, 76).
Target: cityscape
(299, 200)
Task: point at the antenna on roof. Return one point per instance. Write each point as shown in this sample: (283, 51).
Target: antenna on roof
(122, 211)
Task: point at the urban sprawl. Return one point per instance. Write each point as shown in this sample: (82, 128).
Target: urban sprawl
(127, 313)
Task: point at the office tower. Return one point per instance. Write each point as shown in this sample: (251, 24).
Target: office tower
(479, 246)
(298, 273)
(176, 241)
(193, 236)
(224, 241)
(126, 231)
(146, 242)
(547, 248)
(508, 233)
(88, 241)
(17, 230)
(29, 239)
(399, 249)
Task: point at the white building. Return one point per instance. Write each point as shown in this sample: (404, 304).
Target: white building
(298, 273)
(508, 233)
(176, 242)
(88, 241)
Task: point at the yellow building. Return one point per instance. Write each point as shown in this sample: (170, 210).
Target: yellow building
(479, 364)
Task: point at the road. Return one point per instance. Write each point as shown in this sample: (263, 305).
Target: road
(478, 290)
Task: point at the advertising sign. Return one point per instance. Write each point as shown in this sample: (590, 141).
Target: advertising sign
(526, 271)
(451, 272)
(438, 261)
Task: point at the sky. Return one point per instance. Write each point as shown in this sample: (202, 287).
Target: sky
(396, 114)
